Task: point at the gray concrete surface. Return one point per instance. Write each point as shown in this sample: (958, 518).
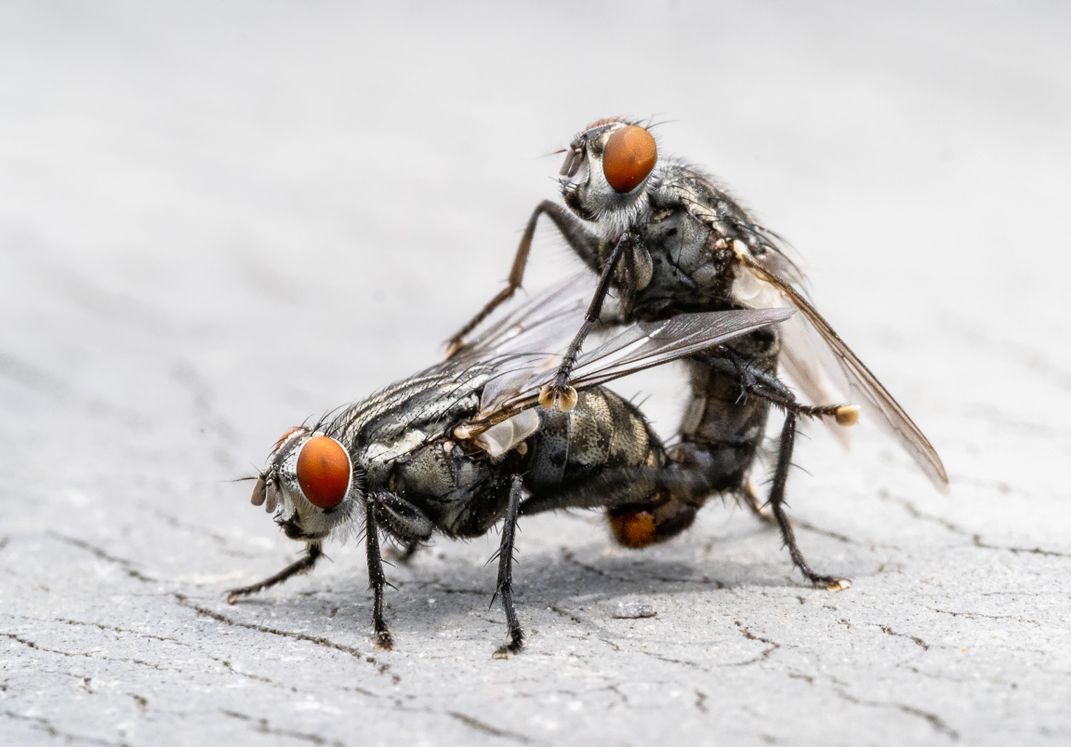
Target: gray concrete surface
(215, 221)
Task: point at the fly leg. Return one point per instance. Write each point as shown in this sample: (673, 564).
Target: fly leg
(755, 381)
(306, 564)
(400, 519)
(583, 243)
(504, 589)
(376, 579)
(777, 505)
(758, 383)
(753, 502)
(560, 394)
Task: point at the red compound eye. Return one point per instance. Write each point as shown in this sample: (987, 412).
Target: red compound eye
(629, 157)
(323, 471)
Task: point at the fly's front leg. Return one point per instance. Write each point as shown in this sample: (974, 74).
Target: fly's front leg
(559, 393)
(777, 505)
(504, 589)
(376, 579)
(570, 227)
(313, 553)
(400, 519)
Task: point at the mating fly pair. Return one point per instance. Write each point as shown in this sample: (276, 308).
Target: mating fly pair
(505, 427)
(464, 445)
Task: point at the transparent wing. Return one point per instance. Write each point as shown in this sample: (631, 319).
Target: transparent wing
(535, 325)
(628, 349)
(527, 339)
(821, 364)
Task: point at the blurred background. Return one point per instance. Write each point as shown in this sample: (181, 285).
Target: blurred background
(217, 219)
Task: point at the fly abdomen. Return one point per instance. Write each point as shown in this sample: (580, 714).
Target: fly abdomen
(640, 525)
(723, 425)
(603, 452)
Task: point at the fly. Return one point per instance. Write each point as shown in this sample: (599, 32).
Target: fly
(463, 445)
(670, 240)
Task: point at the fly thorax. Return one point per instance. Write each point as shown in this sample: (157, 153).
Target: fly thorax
(430, 471)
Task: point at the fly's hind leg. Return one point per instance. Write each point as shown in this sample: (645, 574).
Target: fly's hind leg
(777, 505)
(583, 243)
(758, 383)
(313, 553)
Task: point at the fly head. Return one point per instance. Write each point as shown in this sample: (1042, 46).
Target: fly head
(309, 484)
(606, 172)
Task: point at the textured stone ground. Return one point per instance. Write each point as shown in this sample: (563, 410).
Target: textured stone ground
(216, 221)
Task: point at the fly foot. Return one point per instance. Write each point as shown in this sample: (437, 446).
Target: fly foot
(384, 640)
(847, 415)
(562, 396)
(831, 583)
(514, 646)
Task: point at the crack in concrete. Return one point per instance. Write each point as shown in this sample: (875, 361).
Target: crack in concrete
(929, 717)
(127, 566)
(255, 677)
(974, 537)
(913, 638)
(566, 614)
(488, 729)
(705, 581)
(599, 631)
(99, 626)
(82, 654)
(977, 615)
(381, 668)
(43, 724)
(263, 726)
(670, 660)
(979, 542)
(746, 632)
(804, 524)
